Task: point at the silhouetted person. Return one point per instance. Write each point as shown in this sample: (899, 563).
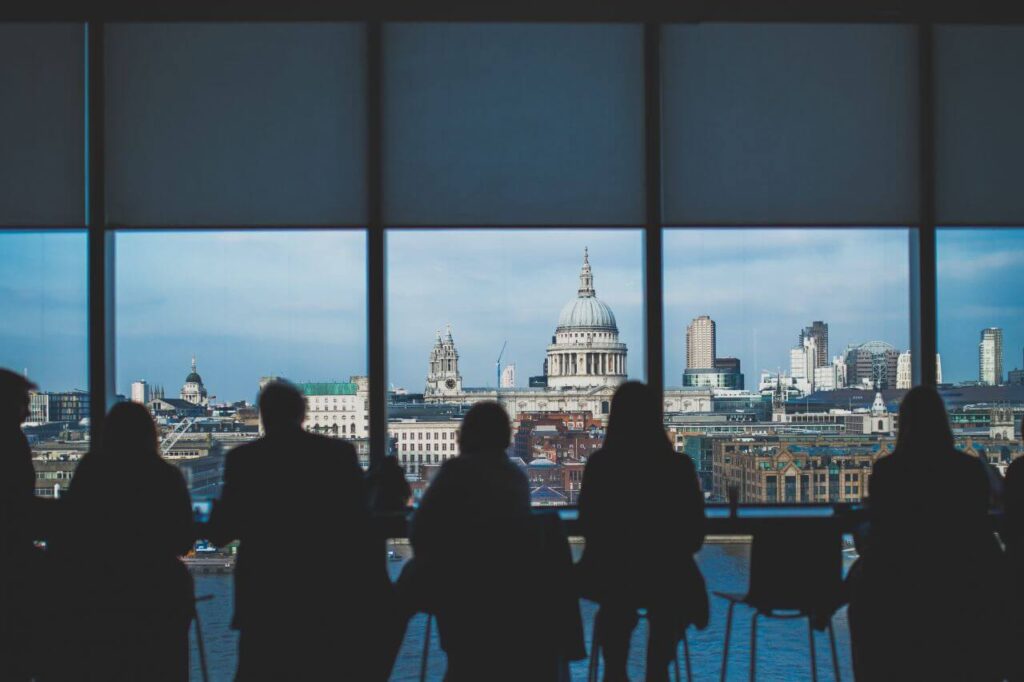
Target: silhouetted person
(925, 604)
(18, 558)
(478, 566)
(1013, 539)
(311, 587)
(127, 519)
(642, 515)
(388, 491)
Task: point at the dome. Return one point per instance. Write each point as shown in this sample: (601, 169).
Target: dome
(587, 312)
(193, 377)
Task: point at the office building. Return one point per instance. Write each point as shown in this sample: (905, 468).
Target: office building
(819, 332)
(141, 392)
(905, 370)
(872, 365)
(64, 407)
(990, 356)
(700, 343)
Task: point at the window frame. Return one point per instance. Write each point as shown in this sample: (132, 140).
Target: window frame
(100, 233)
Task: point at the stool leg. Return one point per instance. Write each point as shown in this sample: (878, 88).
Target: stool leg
(728, 632)
(686, 652)
(753, 646)
(595, 652)
(810, 642)
(832, 644)
(426, 649)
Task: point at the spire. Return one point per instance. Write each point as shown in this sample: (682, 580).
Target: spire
(586, 278)
(193, 363)
(438, 341)
(448, 334)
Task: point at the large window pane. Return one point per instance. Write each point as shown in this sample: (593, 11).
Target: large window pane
(204, 317)
(785, 355)
(548, 322)
(42, 162)
(235, 124)
(43, 307)
(979, 139)
(790, 124)
(513, 124)
(981, 338)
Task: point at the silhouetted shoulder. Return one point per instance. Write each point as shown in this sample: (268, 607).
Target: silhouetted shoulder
(882, 464)
(598, 462)
(681, 464)
(1014, 490)
(240, 453)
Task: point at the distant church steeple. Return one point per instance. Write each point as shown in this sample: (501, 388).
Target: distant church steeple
(444, 378)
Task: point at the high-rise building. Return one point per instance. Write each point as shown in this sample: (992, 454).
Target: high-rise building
(700, 343)
(142, 392)
(905, 370)
(508, 376)
(819, 332)
(872, 364)
(990, 356)
(803, 360)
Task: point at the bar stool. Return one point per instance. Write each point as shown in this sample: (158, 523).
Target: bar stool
(793, 574)
(595, 652)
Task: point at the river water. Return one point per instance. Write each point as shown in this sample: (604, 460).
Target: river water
(782, 645)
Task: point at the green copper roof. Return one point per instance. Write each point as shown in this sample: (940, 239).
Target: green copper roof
(328, 388)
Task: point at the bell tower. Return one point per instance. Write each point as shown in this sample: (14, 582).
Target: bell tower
(444, 379)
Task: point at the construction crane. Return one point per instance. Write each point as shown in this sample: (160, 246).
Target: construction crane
(497, 366)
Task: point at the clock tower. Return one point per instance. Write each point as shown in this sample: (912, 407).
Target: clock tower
(444, 378)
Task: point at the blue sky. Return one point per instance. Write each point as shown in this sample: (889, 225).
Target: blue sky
(293, 303)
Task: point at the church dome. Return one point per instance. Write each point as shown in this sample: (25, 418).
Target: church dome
(586, 310)
(193, 376)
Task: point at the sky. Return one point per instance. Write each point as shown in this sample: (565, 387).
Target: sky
(293, 303)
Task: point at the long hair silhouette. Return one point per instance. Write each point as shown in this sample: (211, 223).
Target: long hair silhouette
(924, 426)
(634, 424)
(129, 432)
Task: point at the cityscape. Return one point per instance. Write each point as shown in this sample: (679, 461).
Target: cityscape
(806, 433)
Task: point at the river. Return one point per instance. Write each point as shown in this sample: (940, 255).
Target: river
(782, 645)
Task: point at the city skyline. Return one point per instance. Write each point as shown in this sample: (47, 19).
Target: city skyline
(217, 294)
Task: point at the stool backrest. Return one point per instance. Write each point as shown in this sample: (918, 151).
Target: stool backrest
(796, 568)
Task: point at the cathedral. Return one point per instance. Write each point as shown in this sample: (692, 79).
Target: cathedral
(585, 362)
(193, 390)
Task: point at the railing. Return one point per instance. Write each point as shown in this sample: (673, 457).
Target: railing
(748, 519)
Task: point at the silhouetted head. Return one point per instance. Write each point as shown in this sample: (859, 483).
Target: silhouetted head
(282, 406)
(924, 426)
(129, 431)
(485, 429)
(14, 390)
(635, 420)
